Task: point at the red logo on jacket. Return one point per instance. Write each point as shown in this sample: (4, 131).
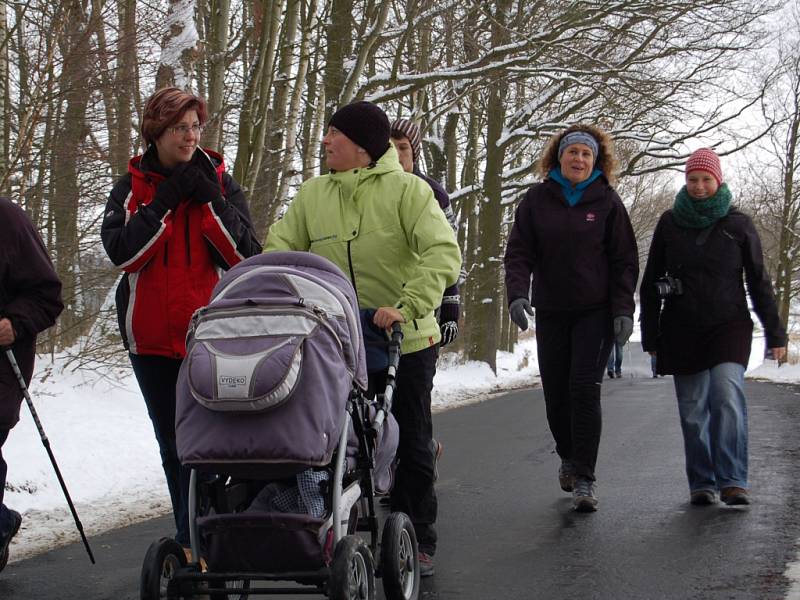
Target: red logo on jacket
(590, 217)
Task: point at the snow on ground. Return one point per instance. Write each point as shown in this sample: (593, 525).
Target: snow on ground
(103, 441)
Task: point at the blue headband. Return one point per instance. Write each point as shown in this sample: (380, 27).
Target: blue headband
(578, 137)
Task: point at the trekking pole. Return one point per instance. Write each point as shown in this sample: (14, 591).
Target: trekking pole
(12, 359)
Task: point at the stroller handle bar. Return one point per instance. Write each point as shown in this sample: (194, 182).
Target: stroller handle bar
(385, 404)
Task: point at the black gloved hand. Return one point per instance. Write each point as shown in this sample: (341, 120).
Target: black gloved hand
(517, 310)
(449, 330)
(623, 328)
(448, 318)
(175, 188)
(206, 189)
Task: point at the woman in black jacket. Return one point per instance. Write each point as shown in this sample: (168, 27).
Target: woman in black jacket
(702, 334)
(572, 237)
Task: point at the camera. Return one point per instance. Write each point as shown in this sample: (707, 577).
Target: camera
(668, 286)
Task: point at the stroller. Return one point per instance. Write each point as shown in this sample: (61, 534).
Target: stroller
(272, 393)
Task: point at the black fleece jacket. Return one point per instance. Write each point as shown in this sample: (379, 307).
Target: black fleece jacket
(578, 257)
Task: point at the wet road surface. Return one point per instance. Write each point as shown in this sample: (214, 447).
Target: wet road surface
(507, 531)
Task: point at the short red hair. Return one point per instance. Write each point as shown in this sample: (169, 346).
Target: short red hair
(165, 108)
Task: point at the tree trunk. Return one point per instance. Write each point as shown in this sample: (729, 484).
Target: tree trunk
(484, 320)
(339, 34)
(787, 245)
(66, 189)
(271, 173)
(5, 113)
(179, 46)
(216, 61)
(120, 143)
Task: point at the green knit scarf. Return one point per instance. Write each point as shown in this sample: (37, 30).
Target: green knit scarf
(699, 214)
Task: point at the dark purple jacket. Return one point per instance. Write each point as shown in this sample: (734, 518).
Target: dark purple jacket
(579, 257)
(451, 295)
(30, 297)
(710, 322)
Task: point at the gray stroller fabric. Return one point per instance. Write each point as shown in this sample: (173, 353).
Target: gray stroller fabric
(385, 451)
(270, 364)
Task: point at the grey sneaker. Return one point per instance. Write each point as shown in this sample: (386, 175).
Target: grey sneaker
(566, 475)
(584, 497)
(436, 449)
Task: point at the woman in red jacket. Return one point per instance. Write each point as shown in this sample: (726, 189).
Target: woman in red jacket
(172, 224)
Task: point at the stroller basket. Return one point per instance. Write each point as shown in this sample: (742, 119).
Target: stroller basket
(236, 542)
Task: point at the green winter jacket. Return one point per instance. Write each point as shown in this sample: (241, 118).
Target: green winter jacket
(383, 228)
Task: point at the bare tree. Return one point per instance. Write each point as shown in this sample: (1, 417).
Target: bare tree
(179, 46)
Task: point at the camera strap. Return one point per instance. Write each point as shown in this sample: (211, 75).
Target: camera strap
(703, 236)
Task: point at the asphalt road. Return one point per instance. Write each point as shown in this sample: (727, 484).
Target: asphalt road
(508, 532)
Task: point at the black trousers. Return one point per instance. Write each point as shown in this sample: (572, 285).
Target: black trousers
(5, 515)
(413, 491)
(573, 350)
(157, 377)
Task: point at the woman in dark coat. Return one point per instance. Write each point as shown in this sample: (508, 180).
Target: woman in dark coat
(171, 225)
(702, 333)
(572, 239)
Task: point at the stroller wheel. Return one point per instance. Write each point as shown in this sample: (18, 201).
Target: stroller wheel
(352, 571)
(399, 562)
(161, 564)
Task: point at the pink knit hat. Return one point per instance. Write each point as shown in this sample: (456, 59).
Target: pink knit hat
(705, 159)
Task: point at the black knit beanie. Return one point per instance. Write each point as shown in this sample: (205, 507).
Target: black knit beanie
(366, 125)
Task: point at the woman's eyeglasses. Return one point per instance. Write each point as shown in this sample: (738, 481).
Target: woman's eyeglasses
(182, 130)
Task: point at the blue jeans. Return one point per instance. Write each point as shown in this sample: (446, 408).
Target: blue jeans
(614, 364)
(157, 376)
(713, 416)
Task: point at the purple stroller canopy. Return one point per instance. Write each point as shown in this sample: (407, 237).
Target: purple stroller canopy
(270, 364)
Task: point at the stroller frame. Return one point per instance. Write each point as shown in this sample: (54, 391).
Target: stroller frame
(351, 570)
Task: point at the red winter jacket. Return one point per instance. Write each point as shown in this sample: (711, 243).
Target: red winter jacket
(171, 259)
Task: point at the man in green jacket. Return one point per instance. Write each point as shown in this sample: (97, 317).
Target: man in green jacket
(383, 227)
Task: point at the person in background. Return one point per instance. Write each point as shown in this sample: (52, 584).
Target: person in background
(614, 365)
(172, 224)
(653, 364)
(408, 142)
(383, 228)
(696, 321)
(30, 301)
(572, 240)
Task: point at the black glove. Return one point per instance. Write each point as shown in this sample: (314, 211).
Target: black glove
(205, 189)
(448, 318)
(449, 330)
(623, 328)
(517, 310)
(174, 188)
